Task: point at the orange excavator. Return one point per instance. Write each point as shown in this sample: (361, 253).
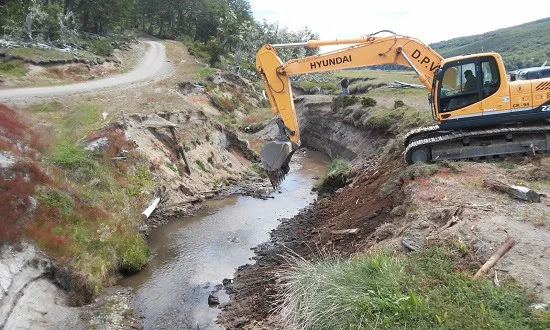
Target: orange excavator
(488, 117)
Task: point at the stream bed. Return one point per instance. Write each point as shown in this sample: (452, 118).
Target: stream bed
(192, 256)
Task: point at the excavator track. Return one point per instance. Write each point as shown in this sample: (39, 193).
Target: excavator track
(478, 144)
(421, 133)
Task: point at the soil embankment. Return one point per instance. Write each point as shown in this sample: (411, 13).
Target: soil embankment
(387, 206)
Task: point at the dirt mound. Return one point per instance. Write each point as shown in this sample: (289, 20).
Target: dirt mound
(389, 207)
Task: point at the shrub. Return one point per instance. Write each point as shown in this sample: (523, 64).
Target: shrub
(101, 47)
(343, 101)
(368, 102)
(201, 165)
(398, 104)
(335, 176)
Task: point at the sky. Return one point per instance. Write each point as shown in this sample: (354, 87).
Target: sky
(427, 20)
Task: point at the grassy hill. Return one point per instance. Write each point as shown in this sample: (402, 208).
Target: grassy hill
(521, 46)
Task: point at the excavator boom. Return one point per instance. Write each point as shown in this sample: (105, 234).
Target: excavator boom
(366, 51)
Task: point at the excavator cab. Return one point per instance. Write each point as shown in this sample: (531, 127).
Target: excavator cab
(463, 87)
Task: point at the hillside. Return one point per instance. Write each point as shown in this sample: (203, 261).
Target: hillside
(521, 46)
(384, 245)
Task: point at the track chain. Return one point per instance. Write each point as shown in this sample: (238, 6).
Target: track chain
(460, 135)
(420, 130)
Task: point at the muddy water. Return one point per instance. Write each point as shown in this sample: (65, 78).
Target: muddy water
(191, 257)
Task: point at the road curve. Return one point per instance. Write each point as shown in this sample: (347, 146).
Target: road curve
(150, 66)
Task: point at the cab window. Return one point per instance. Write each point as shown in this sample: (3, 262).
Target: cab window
(491, 76)
(459, 87)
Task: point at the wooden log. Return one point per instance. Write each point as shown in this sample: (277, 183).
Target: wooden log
(508, 244)
(517, 192)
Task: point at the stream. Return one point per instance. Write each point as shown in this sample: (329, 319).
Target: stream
(192, 256)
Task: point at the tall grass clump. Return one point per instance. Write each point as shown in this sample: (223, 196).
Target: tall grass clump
(424, 290)
(13, 68)
(335, 175)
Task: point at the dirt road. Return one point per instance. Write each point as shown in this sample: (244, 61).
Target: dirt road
(153, 64)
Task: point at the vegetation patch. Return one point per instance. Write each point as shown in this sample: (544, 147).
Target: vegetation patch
(102, 47)
(45, 107)
(14, 68)
(427, 289)
(82, 211)
(335, 176)
(201, 165)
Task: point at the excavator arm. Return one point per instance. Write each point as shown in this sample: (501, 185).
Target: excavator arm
(365, 51)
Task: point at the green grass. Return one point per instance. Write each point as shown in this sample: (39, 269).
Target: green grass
(421, 291)
(257, 167)
(45, 107)
(205, 72)
(201, 165)
(14, 68)
(70, 156)
(172, 167)
(396, 121)
(338, 167)
(82, 119)
(506, 165)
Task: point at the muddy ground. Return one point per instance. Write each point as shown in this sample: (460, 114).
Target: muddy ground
(448, 205)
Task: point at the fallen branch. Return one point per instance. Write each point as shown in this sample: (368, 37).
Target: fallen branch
(508, 244)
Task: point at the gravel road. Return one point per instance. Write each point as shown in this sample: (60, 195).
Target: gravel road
(153, 64)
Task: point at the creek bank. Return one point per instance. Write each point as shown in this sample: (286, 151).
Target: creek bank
(193, 256)
(219, 162)
(387, 205)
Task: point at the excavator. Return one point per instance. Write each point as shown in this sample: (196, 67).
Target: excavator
(491, 117)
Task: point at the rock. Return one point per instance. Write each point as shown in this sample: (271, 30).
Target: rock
(98, 144)
(213, 299)
(540, 307)
(413, 243)
(384, 231)
(6, 160)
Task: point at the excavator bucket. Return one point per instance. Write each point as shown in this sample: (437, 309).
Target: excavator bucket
(275, 157)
